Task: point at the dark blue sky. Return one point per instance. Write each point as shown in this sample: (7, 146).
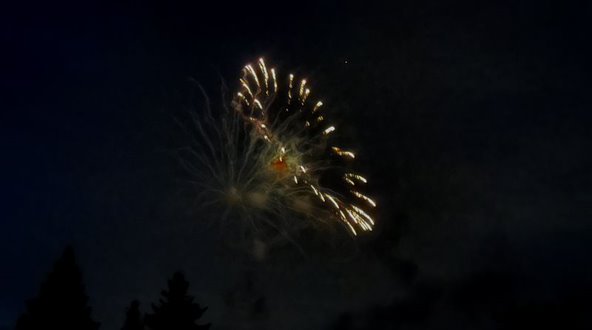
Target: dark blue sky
(473, 120)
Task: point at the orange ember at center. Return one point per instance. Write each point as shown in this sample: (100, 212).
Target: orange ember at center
(279, 165)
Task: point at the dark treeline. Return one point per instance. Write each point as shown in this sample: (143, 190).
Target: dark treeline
(486, 300)
(62, 303)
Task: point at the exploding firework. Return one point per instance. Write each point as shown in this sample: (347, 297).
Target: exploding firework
(268, 159)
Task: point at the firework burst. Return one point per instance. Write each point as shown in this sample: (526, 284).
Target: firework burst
(269, 158)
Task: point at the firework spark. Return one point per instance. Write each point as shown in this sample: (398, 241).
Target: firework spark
(271, 157)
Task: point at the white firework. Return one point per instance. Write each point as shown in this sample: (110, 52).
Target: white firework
(267, 159)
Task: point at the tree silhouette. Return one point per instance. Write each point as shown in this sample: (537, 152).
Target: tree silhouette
(176, 310)
(133, 317)
(61, 302)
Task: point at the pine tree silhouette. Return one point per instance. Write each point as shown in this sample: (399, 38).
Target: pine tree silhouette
(176, 310)
(61, 302)
(133, 317)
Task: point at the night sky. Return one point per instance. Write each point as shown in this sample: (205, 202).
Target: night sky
(472, 122)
